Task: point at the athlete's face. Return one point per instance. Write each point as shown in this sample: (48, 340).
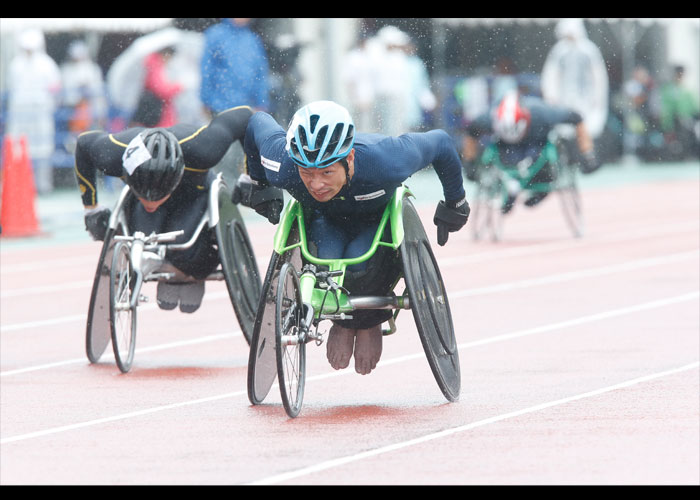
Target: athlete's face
(152, 206)
(324, 183)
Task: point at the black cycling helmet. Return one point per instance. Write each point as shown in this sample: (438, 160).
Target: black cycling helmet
(157, 177)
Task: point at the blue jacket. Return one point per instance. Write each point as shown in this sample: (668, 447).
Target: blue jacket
(234, 68)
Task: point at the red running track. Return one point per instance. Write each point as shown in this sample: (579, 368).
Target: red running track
(579, 366)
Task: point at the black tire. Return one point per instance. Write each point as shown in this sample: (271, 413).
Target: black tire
(238, 263)
(289, 346)
(430, 304)
(242, 276)
(122, 314)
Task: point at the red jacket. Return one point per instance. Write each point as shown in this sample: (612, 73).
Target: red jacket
(157, 82)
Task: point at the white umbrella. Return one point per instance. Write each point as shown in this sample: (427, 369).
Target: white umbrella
(126, 75)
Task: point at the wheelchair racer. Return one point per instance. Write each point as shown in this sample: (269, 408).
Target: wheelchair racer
(344, 179)
(169, 172)
(520, 127)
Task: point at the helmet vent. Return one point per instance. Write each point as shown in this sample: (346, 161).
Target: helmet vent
(313, 120)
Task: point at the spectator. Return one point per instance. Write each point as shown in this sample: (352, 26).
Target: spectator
(640, 109)
(679, 116)
(234, 67)
(83, 89)
(392, 83)
(421, 100)
(359, 79)
(156, 107)
(34, 82)
(574, 76)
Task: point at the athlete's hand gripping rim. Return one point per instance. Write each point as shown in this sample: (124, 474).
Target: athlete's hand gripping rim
(266, 200)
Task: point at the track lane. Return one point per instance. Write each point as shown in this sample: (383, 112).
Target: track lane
(203, 430)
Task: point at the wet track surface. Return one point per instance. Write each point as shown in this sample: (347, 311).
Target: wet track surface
(579, 364)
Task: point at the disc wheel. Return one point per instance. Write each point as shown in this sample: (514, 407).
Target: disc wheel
(238, 261)
(242, 276)
(430, 305)
(289, 342)
(122, 315)
(262, 362)
(98, 331)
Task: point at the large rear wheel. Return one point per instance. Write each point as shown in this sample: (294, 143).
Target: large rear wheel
(429, 304)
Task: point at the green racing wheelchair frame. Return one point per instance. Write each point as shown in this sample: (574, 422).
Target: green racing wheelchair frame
(301, 290)
(495, 180)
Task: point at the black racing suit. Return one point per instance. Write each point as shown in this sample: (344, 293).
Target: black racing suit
(202, 148)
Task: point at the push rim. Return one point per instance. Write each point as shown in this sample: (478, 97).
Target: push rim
(122, 314)
(290, 345)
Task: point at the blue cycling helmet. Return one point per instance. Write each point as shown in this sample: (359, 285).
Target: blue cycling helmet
(320, 134)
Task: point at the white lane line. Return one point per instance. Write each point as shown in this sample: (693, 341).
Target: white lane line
(531, 331)
(337, 462)
(445, 262)
(583, 273)
(159, 347)
(123, 416)
(83, 317)
(494, 253)
(553, 278)
(35, 290)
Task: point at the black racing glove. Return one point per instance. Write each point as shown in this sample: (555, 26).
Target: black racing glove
(449, 217)
(589, 163)
(97, 222)
(264, 199)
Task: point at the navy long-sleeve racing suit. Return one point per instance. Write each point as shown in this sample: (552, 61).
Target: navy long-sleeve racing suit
(202, 149)
(344, 226)
(543, 118)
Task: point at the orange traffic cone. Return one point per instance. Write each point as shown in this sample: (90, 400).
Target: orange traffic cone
(17, 212)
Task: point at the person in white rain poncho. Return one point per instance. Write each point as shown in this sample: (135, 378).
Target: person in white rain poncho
(83, 83)
(34, 83)
(574, 76)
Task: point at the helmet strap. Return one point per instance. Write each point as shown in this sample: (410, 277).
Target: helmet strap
(344, 163)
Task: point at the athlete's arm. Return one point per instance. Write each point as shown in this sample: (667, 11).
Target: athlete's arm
(264, 145)
(205, 147)
(96, 151)
(412, 152)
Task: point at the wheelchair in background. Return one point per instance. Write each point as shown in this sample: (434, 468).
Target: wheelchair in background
(497, 181)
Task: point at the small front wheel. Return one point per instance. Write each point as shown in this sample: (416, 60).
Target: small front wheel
(487, 218)
(289, 341)
(122, 315)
